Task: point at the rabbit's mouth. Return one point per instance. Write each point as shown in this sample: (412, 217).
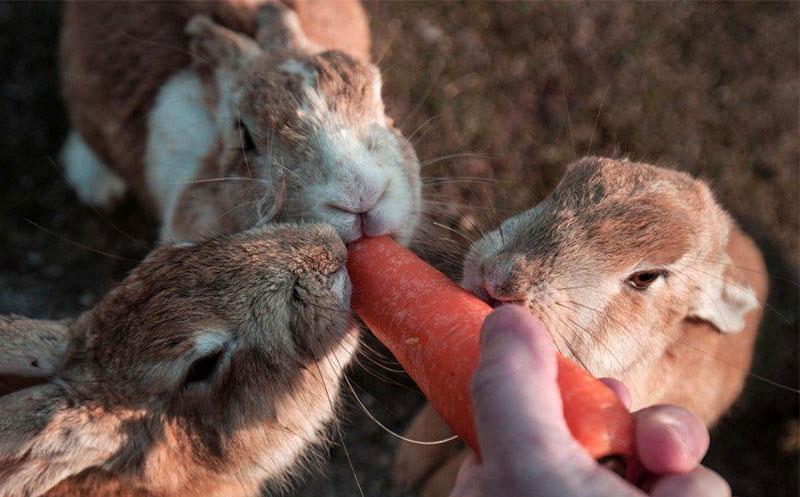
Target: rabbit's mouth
(321, 312)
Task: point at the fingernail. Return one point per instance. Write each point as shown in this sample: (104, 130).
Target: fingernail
(682, 436)
(670, 439)
(495, 324)
(516, 327)
(680, 424)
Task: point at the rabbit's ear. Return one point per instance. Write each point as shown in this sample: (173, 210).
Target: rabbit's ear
(278, 28)
(44, 440)
(216, 46)
(725, 297)
(31, 349)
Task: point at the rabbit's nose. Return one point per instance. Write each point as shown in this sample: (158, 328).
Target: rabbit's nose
(503, 284)
(500, 294)
(360, 203)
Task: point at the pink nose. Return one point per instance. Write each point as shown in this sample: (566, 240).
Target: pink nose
(499, 295)
(360, 204)
(499, 283)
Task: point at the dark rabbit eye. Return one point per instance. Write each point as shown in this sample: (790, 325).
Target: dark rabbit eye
(246, 139)
(203, 369)
(641, 280)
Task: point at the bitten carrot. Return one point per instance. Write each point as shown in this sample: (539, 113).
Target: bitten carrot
(432, 327)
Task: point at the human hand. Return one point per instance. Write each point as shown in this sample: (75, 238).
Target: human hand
(527, 448)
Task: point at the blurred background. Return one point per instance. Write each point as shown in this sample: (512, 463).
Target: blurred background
(498, 99)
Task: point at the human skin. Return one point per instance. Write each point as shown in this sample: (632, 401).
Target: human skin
(526, 447)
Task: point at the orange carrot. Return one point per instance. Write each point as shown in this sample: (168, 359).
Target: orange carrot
(432, 327)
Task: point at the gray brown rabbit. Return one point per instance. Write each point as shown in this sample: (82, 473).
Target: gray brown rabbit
(220, 116)
(212, 369)
(638, 274)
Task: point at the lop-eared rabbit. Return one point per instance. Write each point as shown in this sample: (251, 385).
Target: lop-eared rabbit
(213, 369)
(220, 116)
(638, 274)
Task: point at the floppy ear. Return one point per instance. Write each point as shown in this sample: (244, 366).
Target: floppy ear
(278, 28)
(725, 297)
(31, 350)
(216, 46)
(44, 441)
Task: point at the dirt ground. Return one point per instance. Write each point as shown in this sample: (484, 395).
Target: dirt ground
(506, 95)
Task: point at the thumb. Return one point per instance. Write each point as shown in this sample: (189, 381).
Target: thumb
(517, 402)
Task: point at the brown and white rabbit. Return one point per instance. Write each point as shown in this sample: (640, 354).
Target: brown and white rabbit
(638, 274)
(220, 116)
(213, 369)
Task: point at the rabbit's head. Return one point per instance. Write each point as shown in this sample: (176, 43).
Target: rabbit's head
(310, 126)
(210, 370)
(613, 261)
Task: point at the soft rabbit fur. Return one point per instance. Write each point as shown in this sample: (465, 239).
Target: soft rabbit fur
(574, 261)
(220, 116)
(211, 370)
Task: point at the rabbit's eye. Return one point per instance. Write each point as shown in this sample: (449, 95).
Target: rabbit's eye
(203, 368)
(246, 139)
(641, 280)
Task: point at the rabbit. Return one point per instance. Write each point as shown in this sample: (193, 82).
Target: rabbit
(212, 369)
(638, 274)
(220, 116)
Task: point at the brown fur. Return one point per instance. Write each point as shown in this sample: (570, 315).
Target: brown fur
(337, 25)
(137, 46)
(310, 101)
(117, 79)
(604, 218)
(30, 358)
(116, 417)
(345, 84)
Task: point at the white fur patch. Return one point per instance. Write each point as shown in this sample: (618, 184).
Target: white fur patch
(93, 181)
(209, 341)
(359, 180)
(305, 414)
(180, 135)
